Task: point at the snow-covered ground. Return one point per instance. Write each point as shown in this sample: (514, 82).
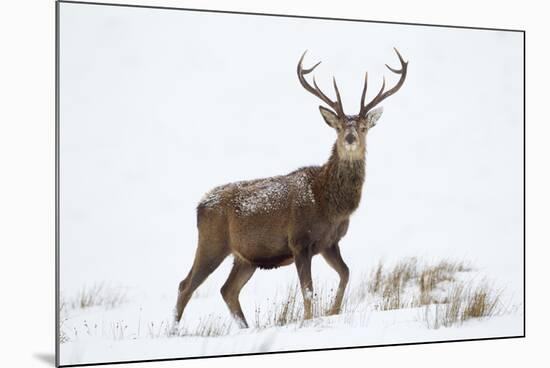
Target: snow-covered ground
(157, 107)
(397, 327)
(141, 328)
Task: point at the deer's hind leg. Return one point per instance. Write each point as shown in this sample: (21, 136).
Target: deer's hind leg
(208, 257)
(238, 277)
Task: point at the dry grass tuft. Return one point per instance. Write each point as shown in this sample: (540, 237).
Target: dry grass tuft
(395, 287)
(447, 301)
(99, 294)
(465, 302)
(212, 327)
(482, 301)
(407, 284)
(291, 311)
(386, 285)
(394, 283)
(374, 285)
(209, 326)
(433, 277)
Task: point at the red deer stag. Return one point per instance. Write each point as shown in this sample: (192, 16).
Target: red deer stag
(272, 222)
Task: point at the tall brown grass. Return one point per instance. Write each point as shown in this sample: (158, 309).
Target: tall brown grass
(465, 302)
(291, 310)
(407, 284)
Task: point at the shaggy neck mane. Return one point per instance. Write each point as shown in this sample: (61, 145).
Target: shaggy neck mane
(340, 183)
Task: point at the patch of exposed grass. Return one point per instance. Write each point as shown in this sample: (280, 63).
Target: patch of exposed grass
(209, 326)
(433, 276)
(291, 310)
(99, 294)
(465, 302)
(212, 326)
(482, 301)
(407, 284)
(437, 287)
(374, 285)
(394, 282)
(386, 286)
(281, 314)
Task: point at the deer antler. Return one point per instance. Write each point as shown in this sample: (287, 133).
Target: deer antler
(383, 95)
(315, 90)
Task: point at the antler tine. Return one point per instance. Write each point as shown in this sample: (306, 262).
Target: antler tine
(401, 60)
(383, 95)
(307, 71)
(338, 98)
(316, 91)
(322, 96)
(364, 93)
(381, 90)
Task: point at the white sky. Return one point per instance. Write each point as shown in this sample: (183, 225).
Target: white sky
(159, 106)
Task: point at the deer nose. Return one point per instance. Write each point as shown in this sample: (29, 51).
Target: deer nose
(350, 138)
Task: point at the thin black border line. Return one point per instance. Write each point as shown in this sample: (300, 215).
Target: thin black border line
(297, 351)
(57, 182)
(289, 16)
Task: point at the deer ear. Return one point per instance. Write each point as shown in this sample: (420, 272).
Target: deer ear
(373, 116)
(330, 118)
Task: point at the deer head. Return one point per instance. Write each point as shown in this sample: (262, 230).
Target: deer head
(351, 129)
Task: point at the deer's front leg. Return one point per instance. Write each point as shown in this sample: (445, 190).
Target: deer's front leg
(302, 260)
(334, 259)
